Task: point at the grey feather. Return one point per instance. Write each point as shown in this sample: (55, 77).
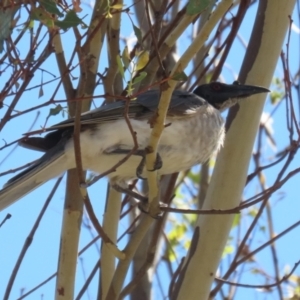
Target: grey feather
(143, 107)
(196, 131)
(50, 165)
(182, 104)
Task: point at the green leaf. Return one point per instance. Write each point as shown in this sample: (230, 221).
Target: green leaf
(125, 57)
(227, 250)
(37, 14)
(41, 92)
(194, 177)
(138, 34)
(50, 6)
(108, 15)
(177, 234)
(297, 291)
(71, 20)
(142, 60)
(41, 15)
(187, 245)
(253, 212)
(180, 76)
(262, 228)
(55, 111)
(190, 219)
(139, 78)
(117, 6)
(255, 271)
(120, 66)
(236, 220)
(31, 24)
(195, 7)
(6, 17)
(276, 96)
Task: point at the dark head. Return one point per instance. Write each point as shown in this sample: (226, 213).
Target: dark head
(223, 96)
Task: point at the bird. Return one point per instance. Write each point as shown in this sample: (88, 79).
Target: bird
(194, 131)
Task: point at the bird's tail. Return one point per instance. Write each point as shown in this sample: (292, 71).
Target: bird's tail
(51, 164)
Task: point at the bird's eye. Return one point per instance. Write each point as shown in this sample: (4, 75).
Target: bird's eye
(216, 86)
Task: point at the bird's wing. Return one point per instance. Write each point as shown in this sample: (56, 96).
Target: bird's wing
(107, 113)
(182, 104)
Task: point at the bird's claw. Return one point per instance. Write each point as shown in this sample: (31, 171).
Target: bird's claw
(143, 203)
(157, 165)
(144, 207)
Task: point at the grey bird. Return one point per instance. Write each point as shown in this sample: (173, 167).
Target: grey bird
(195, 131)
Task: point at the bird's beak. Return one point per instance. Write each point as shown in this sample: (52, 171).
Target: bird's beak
(237, 90)
(223, 96)
(232, 93)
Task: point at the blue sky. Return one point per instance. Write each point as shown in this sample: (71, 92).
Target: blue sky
(41, 259)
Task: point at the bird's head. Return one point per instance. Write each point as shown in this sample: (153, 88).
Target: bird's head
(223, 96)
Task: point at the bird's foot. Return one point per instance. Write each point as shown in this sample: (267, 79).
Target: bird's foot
(145, 208)
(143, 203)
(131, 193)
(157, 165)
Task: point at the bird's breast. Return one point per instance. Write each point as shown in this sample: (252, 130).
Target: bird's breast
(189, 141)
